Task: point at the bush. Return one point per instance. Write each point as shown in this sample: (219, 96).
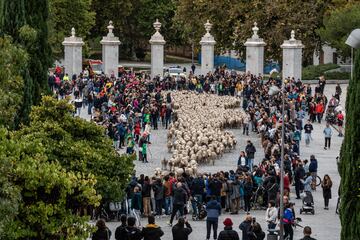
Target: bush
(337, 75)
(313, 72)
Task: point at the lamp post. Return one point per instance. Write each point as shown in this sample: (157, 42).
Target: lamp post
(354, 42)
(273, 91)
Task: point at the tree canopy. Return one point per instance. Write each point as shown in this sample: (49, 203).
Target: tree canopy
(338, 24)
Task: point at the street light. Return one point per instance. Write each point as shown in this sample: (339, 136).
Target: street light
(273, 91)
(354, 42)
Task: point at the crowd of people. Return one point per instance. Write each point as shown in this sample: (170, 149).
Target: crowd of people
(131, 106)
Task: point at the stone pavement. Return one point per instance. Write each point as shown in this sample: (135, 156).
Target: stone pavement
(325, 223)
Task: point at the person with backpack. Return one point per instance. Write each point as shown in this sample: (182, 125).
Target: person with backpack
(213, 210)
(228, 233)
(102, 232)
(179, 231)
(132, 232)
(120, 230)
(288, 221)
(152, 231)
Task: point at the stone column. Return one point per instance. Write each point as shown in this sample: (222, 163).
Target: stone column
(73, 54)
(157, 51)
(110, 52)
(207, 50)
(255, 53)
(292, 57)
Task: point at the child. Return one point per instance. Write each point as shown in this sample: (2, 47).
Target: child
(130, 145)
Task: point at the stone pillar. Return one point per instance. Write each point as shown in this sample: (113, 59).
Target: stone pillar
(292, 57)
(157, 51)
(110, 52)
(73, 54)
(207, 50)
(255, 53)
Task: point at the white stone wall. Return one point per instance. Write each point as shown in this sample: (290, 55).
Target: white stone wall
(292, 63)
(73, 59)
(110, 58)
(207, 58)
(157, 60)
(255, 60)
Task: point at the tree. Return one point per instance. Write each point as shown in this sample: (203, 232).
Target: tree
(350, 160)
(335, 32)
(50, 196)
(79, 146)
(66, 14)
(13, 63)
(26, 23)
(232, 25)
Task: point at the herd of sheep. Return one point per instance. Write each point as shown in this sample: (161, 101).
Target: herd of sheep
(197, 134)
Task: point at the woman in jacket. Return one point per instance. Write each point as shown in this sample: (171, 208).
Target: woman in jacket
(102, 232)
(228, 233)
(326, 186)
(271, 215)
(248, 191)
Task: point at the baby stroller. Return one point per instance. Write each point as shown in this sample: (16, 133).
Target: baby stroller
(201, 211)
(257, 199)
(307, 204)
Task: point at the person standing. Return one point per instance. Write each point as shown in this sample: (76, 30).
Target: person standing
(307, 233)
(313, 168)
(245, 227)
(159, 196)
(178, 202)
(326, 186)
(299, 175)
(319, 109)
(213, 210)
(152, 231)
(102, 232)
(179, 231)
(327, 133)
(120, 230)
(248, 188)
(228, 233)
(136, 204)
(146, 194)
(288, 220)
(250, 154)
(132, 232)
(308, 128)
(271, 215)
(340, 122)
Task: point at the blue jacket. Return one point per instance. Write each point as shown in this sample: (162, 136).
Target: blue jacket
(213, 210)
(313, 166)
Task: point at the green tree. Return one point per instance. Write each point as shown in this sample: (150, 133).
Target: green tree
(79, 146)
(13, 63)
(335, 32)
(50, 196)
(66, 14)
(276, 19)
(26, 23)
(350, 160)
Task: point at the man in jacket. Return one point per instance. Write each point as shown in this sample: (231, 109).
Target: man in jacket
(120, 230)
(299, 175)
(152, 231)
(215, 187)
(307, 232)
(228, 233)
(132, 232)
(178, 202)
(327, 134)
(197, 190)
(179, 231)
(213, 210)
(250, 154)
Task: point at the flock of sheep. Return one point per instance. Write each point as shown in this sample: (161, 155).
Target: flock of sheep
(197, 135)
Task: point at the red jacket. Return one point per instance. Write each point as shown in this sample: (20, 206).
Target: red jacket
(319, 108)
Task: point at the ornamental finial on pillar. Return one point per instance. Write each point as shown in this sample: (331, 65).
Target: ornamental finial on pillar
(110, 29)
(208, 27)
(157, 25)
(73, 32)
(255, 30)
(292, 35)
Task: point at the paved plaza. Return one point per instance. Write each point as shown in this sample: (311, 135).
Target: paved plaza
(325, 223)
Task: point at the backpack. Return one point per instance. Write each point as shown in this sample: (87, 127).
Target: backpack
(288, 216)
